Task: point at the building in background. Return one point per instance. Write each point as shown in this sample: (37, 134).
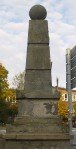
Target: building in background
(64, 93)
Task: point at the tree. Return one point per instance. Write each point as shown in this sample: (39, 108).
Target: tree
(3, 86)
(74, 109)
(10, 94)
(63, 108)
(12, 111)
(18, 81)
(3, 81)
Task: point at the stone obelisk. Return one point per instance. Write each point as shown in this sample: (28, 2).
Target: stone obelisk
(37, 125)
(38, 91)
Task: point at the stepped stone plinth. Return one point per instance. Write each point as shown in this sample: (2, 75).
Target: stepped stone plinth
(37, 125)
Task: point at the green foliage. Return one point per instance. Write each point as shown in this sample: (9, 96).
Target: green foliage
(3, 79)
(12, 111)
(10, 92)
(7, 109)
(74, 109)
(3, 87)
(3, 112)
(62, 107)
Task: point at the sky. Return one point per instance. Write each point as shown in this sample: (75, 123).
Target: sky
(14, 22)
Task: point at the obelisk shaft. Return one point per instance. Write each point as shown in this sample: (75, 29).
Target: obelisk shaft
(38, 82)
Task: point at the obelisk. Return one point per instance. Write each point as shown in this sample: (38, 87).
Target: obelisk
(37, 125)
(38, 83)
(38, 91)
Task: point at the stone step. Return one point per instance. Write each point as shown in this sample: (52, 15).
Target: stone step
(38, 136)
(28, 119)
(37, 128)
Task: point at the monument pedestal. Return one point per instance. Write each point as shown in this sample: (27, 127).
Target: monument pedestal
(37, 125)
(37, 133)
(37, 141)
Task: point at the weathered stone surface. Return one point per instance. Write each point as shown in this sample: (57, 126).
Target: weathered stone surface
(38, 144)
(31, 124)
(37, 136)
(54, 95)
(35, 128)
(38, 108)
(38, 84)
(38, 32)
(38, 57)
(28, 119)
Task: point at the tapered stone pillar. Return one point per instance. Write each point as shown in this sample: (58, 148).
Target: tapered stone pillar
(37, 125)
(38, 96)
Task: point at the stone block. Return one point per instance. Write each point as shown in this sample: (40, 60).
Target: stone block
(38, 84)
(38, 32)
(38, 108)
(27, 124)
(38, 141)
(38, 57)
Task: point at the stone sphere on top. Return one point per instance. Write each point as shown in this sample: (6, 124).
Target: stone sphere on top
(37, 12)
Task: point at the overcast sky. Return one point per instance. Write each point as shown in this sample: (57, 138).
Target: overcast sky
(14, 18)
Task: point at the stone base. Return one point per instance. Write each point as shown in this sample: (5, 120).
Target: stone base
(37, 133)
(37, 145)
(37, 125)
(37, 141)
